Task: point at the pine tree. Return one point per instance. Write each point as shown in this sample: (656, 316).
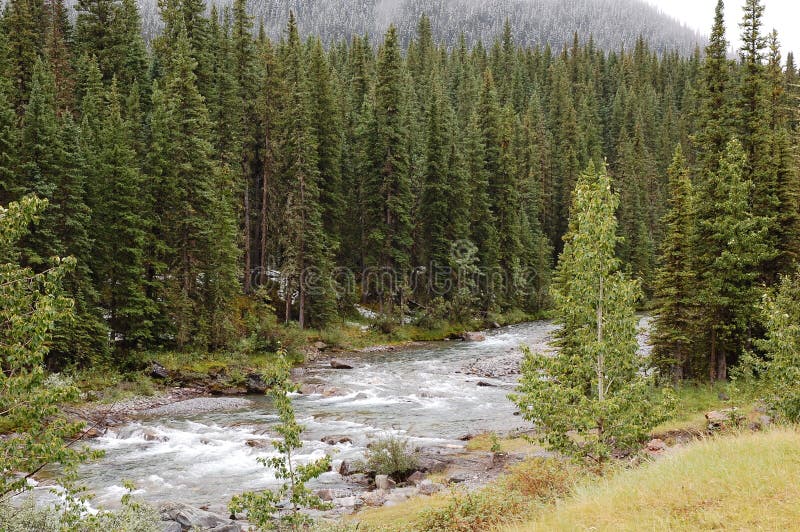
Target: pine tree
(533, 168)
(634, 180)
(110, 30)
(754, 132)
(497, 128)
(58, 50)
(675, 281)
(729, 243)
(245, 74)
(566, 149)
(53, 171)
(10, 184)
(24, 25)
(443, 211)
(484, 232)
(590, 399)
(787, 179)
(268, 104)
(308, 257)
(326, 122)
(187, 16)
(389, 190)
(196, 246)
(714, 101)
(120, 225)
(223, 101)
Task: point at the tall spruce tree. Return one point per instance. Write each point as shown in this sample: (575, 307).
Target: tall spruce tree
(730, 241)
(119, 224)
(196, 233)
(24, 25)
(307, 263)
(715, 116)
(675, 281)
(53, 170)
(10, 184)
(754, 131)
(389, 189)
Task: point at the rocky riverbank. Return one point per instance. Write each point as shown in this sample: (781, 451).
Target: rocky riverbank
(439, 468)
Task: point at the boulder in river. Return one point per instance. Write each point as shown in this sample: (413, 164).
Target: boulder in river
(151, 435)
(189, 517)
(351, 502)
(333, 440)
(93, 432)
(473, 336)
(310, 388)
(329, 494)
(337, 363)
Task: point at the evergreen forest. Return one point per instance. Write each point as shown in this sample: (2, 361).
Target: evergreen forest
(213, 168)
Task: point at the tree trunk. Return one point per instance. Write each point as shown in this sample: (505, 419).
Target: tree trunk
(712, 364)
(247, 255)
(265, 183)
(601, 385)
(722, 367)
(302, 305)
(288, 297)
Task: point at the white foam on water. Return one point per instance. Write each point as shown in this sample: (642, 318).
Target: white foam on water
(416, 395)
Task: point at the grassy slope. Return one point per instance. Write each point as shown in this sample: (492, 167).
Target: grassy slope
(743, 482)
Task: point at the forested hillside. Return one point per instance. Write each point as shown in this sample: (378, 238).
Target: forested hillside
(221, 171)
(612, 23)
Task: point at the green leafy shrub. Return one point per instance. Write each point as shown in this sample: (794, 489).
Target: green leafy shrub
(31, 304)
(133, 516)
(391, 456)
(260, 331)
(435, 315)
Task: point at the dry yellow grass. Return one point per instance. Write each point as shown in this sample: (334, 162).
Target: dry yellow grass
(400, 517)
(484, 442)
(738, 482)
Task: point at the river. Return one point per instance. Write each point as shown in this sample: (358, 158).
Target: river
(421, 394)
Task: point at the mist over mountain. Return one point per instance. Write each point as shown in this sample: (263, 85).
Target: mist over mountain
(612, 23)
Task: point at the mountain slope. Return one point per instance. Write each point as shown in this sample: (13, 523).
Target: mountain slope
(612, 23)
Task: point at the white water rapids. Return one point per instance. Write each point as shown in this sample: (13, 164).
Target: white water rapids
(421, 394)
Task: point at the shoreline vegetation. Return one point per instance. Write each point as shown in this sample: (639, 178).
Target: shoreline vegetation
(226, 372)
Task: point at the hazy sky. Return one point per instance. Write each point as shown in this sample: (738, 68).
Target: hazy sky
(782, 15)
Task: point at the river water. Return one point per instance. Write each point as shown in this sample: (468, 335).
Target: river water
(421, 394)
